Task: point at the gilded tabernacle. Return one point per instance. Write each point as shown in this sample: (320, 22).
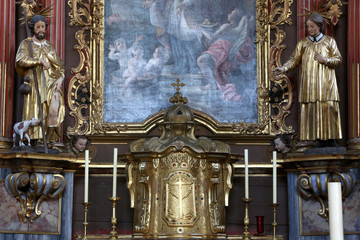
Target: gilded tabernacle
(179, 185)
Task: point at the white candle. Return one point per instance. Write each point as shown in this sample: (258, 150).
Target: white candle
(86, 176)
(274, 177)
(115, 172)
(114, 178)
(335, 211)
(246, 158)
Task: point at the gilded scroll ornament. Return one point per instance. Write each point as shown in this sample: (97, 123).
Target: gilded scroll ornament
(279, 15)
(228, 171)
(83, 14)
(145, 200)
(215, 215)
(216, 227)
(131, 173)
(316, 186)
(179, 160)
(31, 190)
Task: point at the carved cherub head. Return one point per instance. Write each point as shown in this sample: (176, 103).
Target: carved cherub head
(79, 143)
(282, 143)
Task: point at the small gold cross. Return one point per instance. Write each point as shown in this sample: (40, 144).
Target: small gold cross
(178, 85)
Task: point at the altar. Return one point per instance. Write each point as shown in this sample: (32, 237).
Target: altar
(180, 170)
(179, 184)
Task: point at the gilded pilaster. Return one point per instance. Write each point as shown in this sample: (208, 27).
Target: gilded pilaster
(7, 58)
(353, 75)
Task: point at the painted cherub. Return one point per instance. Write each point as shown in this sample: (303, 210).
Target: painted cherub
(156, 63)
(136, 67)
(122, 54)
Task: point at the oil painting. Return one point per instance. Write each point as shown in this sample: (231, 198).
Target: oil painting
(209, 45)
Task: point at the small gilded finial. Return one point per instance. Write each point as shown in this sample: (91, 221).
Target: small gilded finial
(178, 98)
(178, 85)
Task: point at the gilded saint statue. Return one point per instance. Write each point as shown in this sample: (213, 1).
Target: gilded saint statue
(319, 99)
(36, 52)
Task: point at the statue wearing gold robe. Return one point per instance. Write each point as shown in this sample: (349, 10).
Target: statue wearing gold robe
(47, 80)
(318, 92)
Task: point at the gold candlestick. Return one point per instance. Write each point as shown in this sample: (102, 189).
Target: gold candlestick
(113, 234)
(246, 234)
(274, 224)
(85, 223)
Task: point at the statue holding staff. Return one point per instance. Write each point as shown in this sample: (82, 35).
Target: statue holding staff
(319, 99)
(36, 58)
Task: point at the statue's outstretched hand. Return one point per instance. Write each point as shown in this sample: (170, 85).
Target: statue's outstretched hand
(278, 70)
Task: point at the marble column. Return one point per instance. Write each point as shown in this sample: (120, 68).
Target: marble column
(353, 75)
(7, 59)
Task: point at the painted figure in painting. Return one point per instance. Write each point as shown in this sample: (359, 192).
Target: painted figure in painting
(50, 74)
(136, 67)
(156, 64)
(230, 46)
(174, 39)
(121, 10)
(179, 24)
(119, 52)
(318, 94)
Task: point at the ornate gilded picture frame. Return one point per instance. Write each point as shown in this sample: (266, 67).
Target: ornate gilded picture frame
(132, 51)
